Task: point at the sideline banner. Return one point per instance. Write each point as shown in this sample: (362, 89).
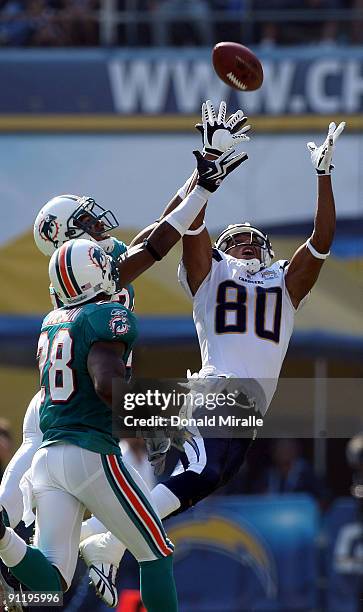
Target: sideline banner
(101, 88)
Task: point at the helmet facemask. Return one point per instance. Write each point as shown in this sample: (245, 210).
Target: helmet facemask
(96, 215)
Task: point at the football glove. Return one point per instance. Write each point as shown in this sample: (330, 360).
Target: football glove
(321, 157)
(219, 134)
(157, 449)
(212, 173)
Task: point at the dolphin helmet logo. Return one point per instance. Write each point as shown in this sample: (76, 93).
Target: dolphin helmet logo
(229, 538)
(49, 230)
(99, 259)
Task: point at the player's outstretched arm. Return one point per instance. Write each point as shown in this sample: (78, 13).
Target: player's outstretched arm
(218, 135)
(305, 266)
(167, 233)
(104, 364)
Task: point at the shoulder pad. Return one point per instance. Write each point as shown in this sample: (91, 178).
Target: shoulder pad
(283, 263)
(119, 248)
(216, 255)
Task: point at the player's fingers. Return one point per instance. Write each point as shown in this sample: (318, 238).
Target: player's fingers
(311, 146)
(222, 112)
(225, 156)
(235, 118)
(204, 114)
(236, 121)
(198, 155)
(243, 131)
(211, 112)
(329, 139)
(236, 161)
(239, 138)
(331, 129)
(338, 130)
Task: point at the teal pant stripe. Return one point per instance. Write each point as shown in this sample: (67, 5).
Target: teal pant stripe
(144, 500)
(129, 509)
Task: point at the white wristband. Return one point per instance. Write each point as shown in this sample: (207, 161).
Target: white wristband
(183, 216)
(183, 191)
(315, 253)
(195, 232)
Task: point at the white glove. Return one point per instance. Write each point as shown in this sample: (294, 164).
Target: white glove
(212, 173)
(322, 156)
(157, 449)
(219, 135)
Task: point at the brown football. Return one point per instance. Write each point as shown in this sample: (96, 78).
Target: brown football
(237, 66)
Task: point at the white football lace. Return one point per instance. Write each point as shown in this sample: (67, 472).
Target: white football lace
(236, 81)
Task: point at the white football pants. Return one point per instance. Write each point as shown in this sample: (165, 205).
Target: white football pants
(66, 479)
(11, 497)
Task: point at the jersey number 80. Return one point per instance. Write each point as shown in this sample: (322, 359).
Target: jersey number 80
(232, 297)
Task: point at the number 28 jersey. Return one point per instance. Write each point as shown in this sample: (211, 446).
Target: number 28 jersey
(244, 321)
(70, 410)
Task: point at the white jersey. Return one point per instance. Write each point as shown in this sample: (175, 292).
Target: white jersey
(244, 322)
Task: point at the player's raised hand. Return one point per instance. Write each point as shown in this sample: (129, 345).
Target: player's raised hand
(212, 173)
(157, 449)
(322, 156)
(219, 134)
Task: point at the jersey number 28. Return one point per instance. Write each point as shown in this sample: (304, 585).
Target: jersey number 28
(232, 297)
(59, 381)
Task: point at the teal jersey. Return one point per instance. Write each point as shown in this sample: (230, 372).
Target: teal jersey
(70, 410)
(126, 295)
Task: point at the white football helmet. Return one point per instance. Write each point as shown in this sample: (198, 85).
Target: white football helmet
(60, 220)
(226, 241)
(79, 270)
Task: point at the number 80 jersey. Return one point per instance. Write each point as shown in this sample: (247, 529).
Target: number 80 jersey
(244, 322)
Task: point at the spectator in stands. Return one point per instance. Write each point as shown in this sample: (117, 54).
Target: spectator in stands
(6, 445)
(44, 29)
(289, 472)
(290, 31)
(357, 24)
(14, 28)
(233, 26)
(193, 28)
(78, 23)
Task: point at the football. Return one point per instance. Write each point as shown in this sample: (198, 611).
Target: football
(237, 66)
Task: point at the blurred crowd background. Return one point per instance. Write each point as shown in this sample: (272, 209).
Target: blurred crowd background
(78, 23)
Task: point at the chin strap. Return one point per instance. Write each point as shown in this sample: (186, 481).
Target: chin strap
(252, 265)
